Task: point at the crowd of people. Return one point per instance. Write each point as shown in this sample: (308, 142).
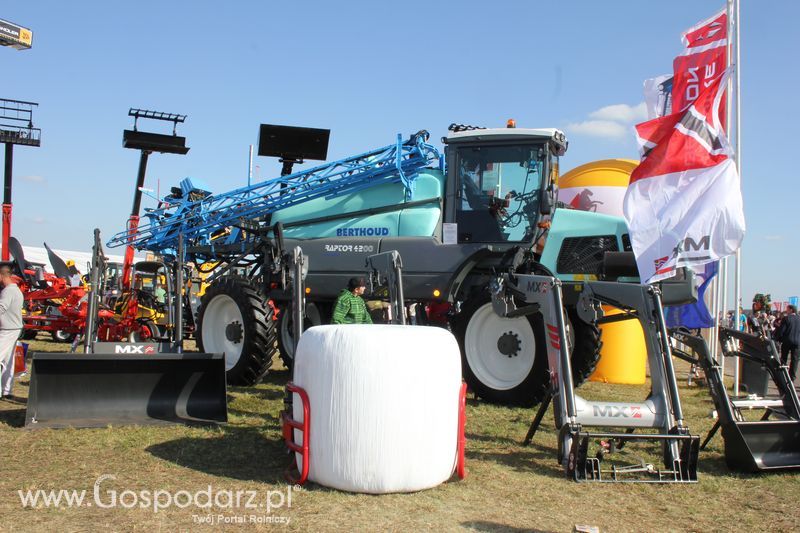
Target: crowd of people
(783, 327)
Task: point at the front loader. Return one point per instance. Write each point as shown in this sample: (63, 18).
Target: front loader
(127, 382)
(771, 443)
(581, 423)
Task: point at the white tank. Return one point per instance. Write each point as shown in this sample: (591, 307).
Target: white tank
(384, 406)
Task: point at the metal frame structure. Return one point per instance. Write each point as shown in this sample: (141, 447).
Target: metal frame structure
(12, 114)
(147, 143)
(520, 295)
(771, 443)
(199, 215)
(16, 127)
(386, 270)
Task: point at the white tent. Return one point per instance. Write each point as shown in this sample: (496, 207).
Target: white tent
(83, 260)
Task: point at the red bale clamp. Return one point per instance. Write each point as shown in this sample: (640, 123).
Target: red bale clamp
(461, 469)
(289, 424)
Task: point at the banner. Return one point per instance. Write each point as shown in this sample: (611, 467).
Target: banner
(15, 36)
(694, 315)
(702, 63)
(657, 96)
(684, 204)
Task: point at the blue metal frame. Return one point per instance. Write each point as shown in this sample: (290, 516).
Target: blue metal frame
(198, 218)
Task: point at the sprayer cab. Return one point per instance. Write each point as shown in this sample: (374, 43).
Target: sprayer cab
(501, 182)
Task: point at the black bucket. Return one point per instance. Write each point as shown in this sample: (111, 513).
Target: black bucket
(762, 445)
(750, 446)
(96, 390)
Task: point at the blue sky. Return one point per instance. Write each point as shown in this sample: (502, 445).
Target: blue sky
(370, 70)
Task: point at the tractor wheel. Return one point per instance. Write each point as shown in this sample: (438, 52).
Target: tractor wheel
(504, 359)
(28, 334)
(235, 319)
(584, 345)
(315, 316)
(62, 336)
(146, 332)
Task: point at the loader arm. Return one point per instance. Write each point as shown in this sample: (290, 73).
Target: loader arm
(513, 295)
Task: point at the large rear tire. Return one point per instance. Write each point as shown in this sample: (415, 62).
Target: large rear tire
(234, 319)
(504, 360)
(315, 316)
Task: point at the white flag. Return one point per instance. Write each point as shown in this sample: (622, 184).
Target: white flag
(684, 202)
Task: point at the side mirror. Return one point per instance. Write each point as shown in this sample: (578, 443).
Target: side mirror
(546, 202)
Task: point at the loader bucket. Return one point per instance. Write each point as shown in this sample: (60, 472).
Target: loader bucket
(96, 390)
(763, 445)
(750, 446)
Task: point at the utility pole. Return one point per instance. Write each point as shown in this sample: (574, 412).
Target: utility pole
(147, 143)
(16, 127)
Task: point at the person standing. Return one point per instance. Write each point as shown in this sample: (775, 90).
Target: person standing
(742, 319)
(788, 334)
(10, 327)
(350, 307)
(160, 294)
(757, 322)
(778, 318)
(74, 275)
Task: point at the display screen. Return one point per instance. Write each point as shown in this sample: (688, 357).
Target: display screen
(292, 142)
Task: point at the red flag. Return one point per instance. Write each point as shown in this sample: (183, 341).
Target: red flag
(684, 203)
(684, 140)
(703, 61)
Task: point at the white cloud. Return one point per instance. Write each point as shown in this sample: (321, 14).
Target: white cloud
(621, 113)
(39, 220)
(33, 178)
(773, 237)
(599, 128)
(610, 122)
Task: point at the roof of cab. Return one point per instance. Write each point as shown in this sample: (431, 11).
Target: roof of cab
(502, 134)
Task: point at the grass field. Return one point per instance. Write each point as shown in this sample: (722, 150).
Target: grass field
(509, 487)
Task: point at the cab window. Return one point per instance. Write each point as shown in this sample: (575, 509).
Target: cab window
(499, 192)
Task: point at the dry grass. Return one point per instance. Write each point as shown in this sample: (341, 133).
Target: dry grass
(509, 487)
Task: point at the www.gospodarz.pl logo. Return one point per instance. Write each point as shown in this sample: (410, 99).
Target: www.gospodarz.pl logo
(207, 499)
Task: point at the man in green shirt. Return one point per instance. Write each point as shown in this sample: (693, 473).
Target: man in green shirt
(350, 307)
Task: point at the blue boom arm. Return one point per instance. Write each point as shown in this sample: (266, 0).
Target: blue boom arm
(199, 214)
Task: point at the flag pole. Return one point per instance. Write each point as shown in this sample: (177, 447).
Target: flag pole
(715, 288)
(723, 266)
(719, 285)
(734, 5)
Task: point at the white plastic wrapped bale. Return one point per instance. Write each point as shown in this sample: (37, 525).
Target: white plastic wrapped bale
(384, 403)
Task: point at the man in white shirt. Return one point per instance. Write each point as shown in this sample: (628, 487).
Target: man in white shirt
(10, 327)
